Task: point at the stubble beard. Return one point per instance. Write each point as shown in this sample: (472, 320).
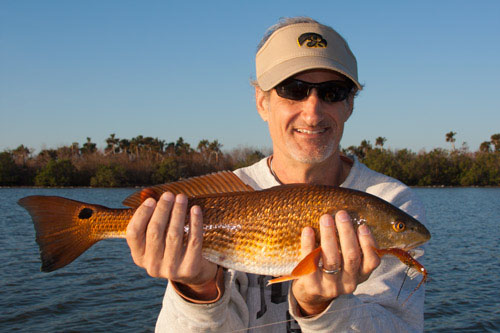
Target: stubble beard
(312, 156)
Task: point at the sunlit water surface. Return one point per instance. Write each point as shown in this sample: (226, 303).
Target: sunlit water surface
(104, 291)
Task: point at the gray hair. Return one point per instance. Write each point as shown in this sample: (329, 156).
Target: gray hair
(283, 22)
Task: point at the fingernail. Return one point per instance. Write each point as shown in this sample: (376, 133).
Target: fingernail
(196, 210)
(342, 216)
(364, 230)
(326, 221)
(181, 199)
(167, 196)
(149, 202)
(307, 231)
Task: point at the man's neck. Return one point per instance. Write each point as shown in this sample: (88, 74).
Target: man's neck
(333, 171)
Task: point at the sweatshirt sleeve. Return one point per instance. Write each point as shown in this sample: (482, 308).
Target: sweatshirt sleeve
(227, 314)
(375, 305)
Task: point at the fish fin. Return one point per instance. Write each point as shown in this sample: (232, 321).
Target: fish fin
(220, 182)
(306, 266)
(63, 228)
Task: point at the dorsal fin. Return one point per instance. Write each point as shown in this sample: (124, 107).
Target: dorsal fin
(220, 182)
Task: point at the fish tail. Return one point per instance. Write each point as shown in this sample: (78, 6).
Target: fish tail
(63, 228)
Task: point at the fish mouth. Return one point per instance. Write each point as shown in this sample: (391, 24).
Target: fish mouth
(422, 236)
(413, 245)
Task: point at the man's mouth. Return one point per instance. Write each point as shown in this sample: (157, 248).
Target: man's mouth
(311, 132)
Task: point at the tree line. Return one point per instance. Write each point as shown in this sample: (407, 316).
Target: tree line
(454, 167)
(123, 162)
(143, 161)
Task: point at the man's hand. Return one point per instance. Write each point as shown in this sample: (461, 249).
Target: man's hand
(357, 260)
(155, 236)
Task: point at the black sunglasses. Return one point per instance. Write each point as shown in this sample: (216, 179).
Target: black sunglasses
(329, 91)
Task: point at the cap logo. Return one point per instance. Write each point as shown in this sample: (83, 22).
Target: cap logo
(312, 39)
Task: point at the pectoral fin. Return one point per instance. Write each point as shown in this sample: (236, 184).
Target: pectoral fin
(306, 266)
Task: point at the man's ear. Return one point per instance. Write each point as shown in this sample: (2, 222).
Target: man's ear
(350, 107)
(262, 103)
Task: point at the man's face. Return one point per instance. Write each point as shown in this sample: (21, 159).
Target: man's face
(309, 130)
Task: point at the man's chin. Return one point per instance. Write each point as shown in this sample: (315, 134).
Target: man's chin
(312, 156)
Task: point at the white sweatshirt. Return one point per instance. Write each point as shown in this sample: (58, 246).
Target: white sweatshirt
(247, 305)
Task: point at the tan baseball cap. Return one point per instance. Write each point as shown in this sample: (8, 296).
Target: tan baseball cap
(302, 46)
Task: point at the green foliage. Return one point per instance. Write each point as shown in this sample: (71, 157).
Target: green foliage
(168, 170)
(437, 167)
(485, 147)
(380, 141)
(248, 158)
(484, 171)
(495, 141)
(450, 137)
(56, 173)
(9, 172)
(88, 147)
(109, 176)
(182, 148)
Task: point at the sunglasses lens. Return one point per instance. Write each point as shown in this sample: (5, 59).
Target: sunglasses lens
(292, 89)
(330, 91)
(333, 92)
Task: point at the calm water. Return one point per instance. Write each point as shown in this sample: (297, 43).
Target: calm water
(104, 291)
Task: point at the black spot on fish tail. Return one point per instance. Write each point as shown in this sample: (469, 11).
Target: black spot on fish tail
(85, 213)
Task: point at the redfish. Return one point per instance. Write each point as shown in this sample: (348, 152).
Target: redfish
(251, 231)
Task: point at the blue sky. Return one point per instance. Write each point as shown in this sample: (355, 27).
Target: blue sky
(72, 69)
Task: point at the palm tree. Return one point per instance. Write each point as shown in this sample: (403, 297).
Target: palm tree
(147, 142)
(203, 148)
(157, 147)
(124, 145)
(88, 147)
(136, 144)
(182, 147)
(495, 140)
(450, 137)
(170, 149)
(353, 150)
(364, 147)
(485, 147)
(203, 145)
(75, 148)
(112, 144)
(380, 141)
(215, 148)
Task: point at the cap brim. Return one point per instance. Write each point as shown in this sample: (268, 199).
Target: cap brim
(270, 79)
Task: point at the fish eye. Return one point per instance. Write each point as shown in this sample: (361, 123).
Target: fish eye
(398, 226)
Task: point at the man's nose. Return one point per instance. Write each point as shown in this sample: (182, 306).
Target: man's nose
(312, 111)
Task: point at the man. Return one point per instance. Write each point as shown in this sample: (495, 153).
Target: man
(306, 83)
